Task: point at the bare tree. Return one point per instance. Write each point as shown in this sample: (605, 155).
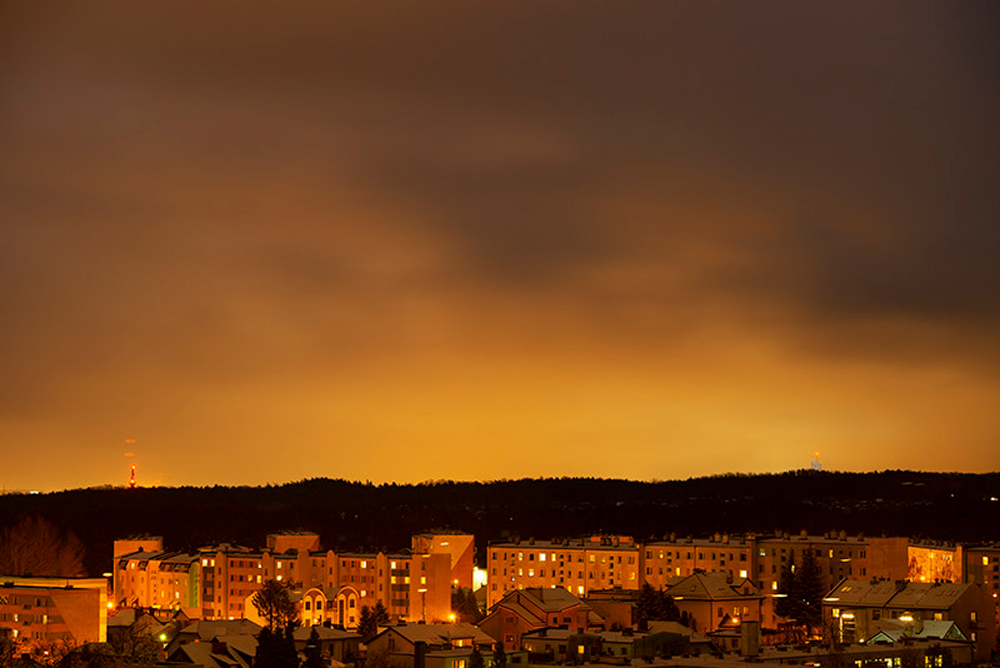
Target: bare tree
(35, 546)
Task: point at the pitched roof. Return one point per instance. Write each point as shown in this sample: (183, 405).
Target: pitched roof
(208, 629)
(324, 633)
(553, 599)
(711, 587)
(437, 634)
(942, 629)
(676, 628)
(902, 594)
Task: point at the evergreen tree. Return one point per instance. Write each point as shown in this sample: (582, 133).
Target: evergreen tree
(499, 657)
(809, 590)
(314, 655)
(463, 603)
(6, 648)
(654, 605)
(367, 628)
(476, 658)
(276, 649)
(784, 601)
(380, 614)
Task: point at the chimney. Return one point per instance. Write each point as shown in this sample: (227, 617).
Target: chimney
(419, 654)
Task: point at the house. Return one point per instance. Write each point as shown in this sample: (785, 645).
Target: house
(207, 631)
(342, 646)
(406, 645)
(404, 637)
(896, 631)
(523, 610)
(565, 645)
(216, 654)
(615, 606)
(716, 601)
(855, 610)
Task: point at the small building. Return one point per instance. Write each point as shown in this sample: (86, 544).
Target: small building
(621, 647)
(407, 644)
(524, 610)
(715, 601)
(894, 631)
(855, 610)
(342, 646)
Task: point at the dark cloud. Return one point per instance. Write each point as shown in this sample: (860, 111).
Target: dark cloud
(535, 223)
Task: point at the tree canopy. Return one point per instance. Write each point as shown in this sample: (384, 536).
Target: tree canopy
(274, 604)
(801, 591)
(35, 546)
(654, 605)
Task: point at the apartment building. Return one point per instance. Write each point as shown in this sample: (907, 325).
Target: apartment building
(579, 566)
(49, 609)
(672, 558)
(982, 566)
(150, 577)
(218, 581)
(934, 562)
(602, 562)
(836, 555)
(461, 548)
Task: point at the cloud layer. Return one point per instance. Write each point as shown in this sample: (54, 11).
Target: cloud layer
(423, 240)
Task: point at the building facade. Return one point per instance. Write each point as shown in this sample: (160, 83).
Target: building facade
(218, 581)
(54, 609)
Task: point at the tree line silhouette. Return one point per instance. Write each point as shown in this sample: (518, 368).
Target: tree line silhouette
(364, 516)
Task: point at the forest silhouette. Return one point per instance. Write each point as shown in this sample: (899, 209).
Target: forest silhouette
(364, 516)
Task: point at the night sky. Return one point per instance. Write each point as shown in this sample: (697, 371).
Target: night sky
(401, 241)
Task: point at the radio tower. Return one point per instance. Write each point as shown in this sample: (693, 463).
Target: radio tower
(131, 480)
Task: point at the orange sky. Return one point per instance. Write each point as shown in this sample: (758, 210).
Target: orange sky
(411, 240)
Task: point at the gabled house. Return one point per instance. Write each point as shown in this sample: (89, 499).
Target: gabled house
(856, 610)
(342, 646)
(894, 631)
(716, 601)
(524, 610)
(403, 638)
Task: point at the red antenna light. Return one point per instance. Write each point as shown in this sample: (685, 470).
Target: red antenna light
(131, 480)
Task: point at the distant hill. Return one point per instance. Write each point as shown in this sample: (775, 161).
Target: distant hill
(354, 515)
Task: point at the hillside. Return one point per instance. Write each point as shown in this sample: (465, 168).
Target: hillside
(355, 515)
